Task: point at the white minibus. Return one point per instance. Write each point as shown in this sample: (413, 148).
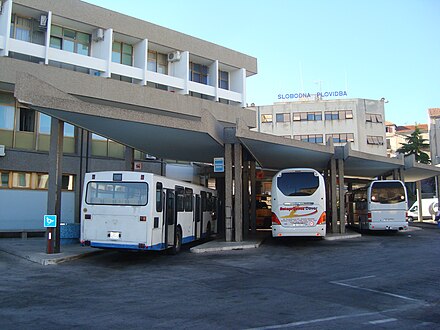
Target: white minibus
(381, 205)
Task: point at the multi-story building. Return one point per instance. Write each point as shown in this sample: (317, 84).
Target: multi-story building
(358, 121)
(396, 136)
(101, 57)
(434, 134)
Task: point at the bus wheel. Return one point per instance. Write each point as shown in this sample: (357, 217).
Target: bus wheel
(177, 247)
(410, 219)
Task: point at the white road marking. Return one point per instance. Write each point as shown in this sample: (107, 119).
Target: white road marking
(382, 321)
(355, 278)
(325, 319)
(375, 291)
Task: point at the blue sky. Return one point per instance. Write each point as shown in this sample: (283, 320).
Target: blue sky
(370, 48)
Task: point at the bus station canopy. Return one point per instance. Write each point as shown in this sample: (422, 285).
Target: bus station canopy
(201, 139)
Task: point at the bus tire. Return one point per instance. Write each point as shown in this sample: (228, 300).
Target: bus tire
(410, 219)
(178, 246)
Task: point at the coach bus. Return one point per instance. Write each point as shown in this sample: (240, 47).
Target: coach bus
(298, 203)
(144, 211)
(381, 205)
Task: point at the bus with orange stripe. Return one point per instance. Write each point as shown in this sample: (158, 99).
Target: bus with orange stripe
(298, 203)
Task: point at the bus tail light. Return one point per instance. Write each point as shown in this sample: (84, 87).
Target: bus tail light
(322, 219)
(369, 217)
(275, 220)
(143, 218)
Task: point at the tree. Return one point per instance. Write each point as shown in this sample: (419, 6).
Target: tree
(415, 145)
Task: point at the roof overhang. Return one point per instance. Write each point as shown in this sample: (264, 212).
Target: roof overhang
(163, 136)
(415, 171)
(275, 152)
(361, 164)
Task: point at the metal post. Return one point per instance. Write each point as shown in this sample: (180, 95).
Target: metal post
(341, 196)
(334, 205)
(129, 158)
(228, 192)
(253, 197)
(419, 200)
(245, 199)
(55, 182)
(238, 206)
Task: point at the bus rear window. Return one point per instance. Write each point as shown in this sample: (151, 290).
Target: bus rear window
(298, 183)
(387, 192)
(117, 193)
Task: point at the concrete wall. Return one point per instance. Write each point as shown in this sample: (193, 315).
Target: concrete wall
(24, 209)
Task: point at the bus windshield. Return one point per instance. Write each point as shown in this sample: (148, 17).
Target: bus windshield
(117, 193)
(298, 183)
(387, 192)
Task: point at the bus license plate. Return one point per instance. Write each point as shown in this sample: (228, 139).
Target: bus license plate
(115, 235)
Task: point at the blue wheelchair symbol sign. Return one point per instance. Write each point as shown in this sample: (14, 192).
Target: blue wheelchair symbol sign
(50, 221)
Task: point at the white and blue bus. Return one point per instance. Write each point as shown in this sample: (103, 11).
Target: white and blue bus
(381, 205)
(144, 211)
(298, 203)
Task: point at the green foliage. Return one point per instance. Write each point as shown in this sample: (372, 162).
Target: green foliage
(415, 145)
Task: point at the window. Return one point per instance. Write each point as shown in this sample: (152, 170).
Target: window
(21, 28)
(157, 62)
(266, 118)
(312, 138)
(159, 194)
(45, 122)
(42, 181)
(223, 79)
(373, 118)
(387, 192)
(27, 120)
(4, 179)
(70, 40)
(7, 110)
(198, 73)
(283, 117)
(180, 198)
(117, 193)
(339, 114)
(188, 199)
(307, 116)
(21, 180)
(122, 53)
(376, 140)
(341, 137)
(298, 184)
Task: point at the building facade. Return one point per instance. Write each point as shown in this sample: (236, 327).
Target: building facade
(434, 134)
(102, 57)
(358, 121)
(396, 136)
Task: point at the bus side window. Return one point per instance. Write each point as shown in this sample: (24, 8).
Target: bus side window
(188, 200)
(159, 200)
(204, 201)
(180, 198)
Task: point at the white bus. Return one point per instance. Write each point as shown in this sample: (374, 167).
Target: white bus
(381, 205)
(144, 211)
(298, 203)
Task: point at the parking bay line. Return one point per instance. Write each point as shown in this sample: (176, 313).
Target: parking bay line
(382, 321)
(375, 291)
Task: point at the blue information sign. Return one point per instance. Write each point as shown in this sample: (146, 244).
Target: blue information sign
(219, 164)
(50, 221)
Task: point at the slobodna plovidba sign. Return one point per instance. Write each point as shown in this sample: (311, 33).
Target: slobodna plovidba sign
(292, 96)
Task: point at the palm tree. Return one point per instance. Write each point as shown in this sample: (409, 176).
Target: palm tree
(415, 145)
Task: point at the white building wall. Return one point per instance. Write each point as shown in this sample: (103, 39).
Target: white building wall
(358, 125)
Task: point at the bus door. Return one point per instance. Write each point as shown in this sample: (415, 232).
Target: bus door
(170, 217)
(198, 216)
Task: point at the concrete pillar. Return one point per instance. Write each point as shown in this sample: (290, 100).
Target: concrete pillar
(55, 181)
(83, 148)
(129, 158)
(334, 205)
(228, 192)
(341, 196)
(238, 205)
(419, 200)
(220, 188)
(395, 174)
(328, 199)
(245, 199)
(253, 197)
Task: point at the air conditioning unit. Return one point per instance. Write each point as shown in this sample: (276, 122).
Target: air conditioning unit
(174, 56)
(98, 35)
